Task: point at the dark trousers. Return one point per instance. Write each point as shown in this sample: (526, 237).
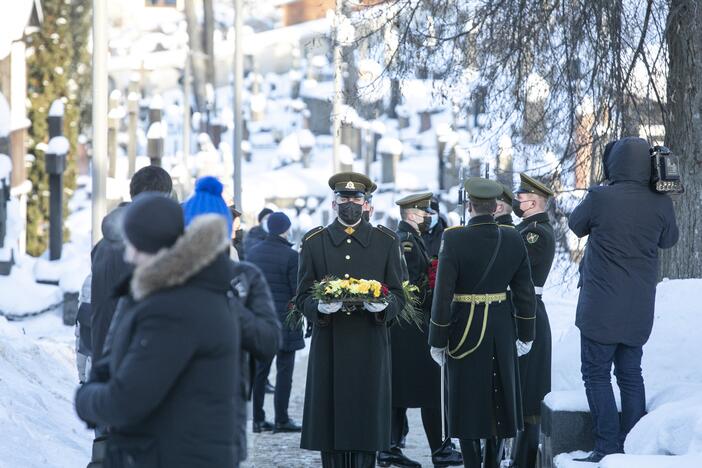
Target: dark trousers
(348, 459)
(597, 360)
(285, 364)
(431, 419)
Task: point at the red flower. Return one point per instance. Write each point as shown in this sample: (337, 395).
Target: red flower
(384, 291)
(431, 272)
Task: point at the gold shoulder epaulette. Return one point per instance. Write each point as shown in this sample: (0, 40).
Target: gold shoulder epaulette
(458, 226)
(506, 226)
(386, 231)
(313, 232)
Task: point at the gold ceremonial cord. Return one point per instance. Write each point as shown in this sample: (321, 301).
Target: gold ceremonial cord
(474, 299)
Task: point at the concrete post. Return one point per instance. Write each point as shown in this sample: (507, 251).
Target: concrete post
(390, 150)
(133, 109)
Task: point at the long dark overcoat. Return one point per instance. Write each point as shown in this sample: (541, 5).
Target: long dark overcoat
(415, 375)
(484, 396)
(627, 223)
(348, 393)
(535, 366)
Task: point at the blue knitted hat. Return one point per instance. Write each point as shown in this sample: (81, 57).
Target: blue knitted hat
(207, 199)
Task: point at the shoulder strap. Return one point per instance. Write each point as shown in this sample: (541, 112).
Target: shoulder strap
(492, 259)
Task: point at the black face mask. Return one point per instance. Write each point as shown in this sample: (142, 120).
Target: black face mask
(366, 216)
(425, 224)
(350, 213)
(517, 208)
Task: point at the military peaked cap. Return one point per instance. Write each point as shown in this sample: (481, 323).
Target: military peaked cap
(507, 195)
(482, 189)
(351, 182)
(417, 200)
(531, 185)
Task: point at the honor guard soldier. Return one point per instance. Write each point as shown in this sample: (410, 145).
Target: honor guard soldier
(472, 330)
(347, 397)
(415, 376)
(503, 213)
(535, 367)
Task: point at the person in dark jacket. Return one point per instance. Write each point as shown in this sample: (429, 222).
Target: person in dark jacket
(348, 392)
(250, 300)
(169, 391)
(535, 367)
(237, 251)
(257, 233)
(472, 330)
(437, 226)
(107, 258)
(278, 262)
(626, 223)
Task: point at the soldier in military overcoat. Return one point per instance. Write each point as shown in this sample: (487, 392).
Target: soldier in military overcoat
(348, 393)
(535, 367)
(415, 376)
(472, 325)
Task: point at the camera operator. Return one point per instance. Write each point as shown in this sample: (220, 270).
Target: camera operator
(627, 222)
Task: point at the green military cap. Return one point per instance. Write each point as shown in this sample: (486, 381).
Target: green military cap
(482, 189)
(507, 195)
(351, 182)
(531, 185)
(417, 200)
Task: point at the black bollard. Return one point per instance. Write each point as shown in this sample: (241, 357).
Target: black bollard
(55, 159)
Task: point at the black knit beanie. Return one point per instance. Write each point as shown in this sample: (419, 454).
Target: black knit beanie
(153, 222)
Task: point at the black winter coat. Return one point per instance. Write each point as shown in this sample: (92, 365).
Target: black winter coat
(250, 298)
(279, 262)
(415, 375)
(108, 269)
(255, 236)
(627, 223)
(348, 392)
(171, 395)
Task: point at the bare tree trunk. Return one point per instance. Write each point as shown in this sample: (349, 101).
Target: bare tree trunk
(197, 55)
(684, 133)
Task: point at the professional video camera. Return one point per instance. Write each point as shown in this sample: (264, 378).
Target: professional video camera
(665, 175)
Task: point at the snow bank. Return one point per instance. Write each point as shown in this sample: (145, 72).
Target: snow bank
(673, 378)
(565, 460)
(39, 426)
(21, 295)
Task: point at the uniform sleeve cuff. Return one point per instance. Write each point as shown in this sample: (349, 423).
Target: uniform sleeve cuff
(438, 335)
(526, 329)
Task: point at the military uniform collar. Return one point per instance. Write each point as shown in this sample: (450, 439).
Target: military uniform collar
(404, 226)
(536, 218)
(481, 219)
(505, 219)
(361, 232)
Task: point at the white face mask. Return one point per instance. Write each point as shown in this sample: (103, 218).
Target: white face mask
(434, 220)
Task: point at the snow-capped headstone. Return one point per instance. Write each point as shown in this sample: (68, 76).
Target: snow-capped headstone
(390, 150)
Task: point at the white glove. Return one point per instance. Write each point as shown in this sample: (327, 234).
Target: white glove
(438, 355)
(375, 307)
(523, 348)
(329, 307)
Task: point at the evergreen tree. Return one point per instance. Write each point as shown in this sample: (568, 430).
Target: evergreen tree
(56, 68)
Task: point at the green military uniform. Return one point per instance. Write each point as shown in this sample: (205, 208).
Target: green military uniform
(348, 393)
(535, 366)
(472, 318)
(507, 197)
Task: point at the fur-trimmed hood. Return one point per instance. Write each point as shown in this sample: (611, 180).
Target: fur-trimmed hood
(205, 239)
